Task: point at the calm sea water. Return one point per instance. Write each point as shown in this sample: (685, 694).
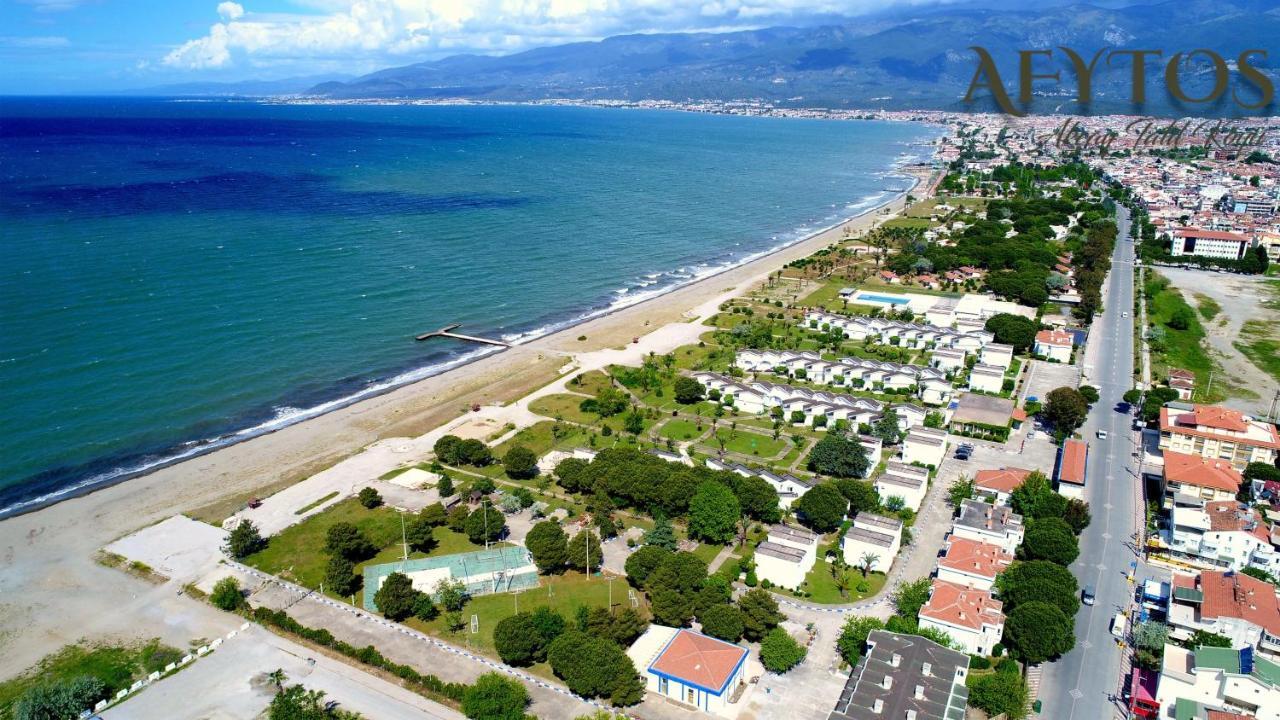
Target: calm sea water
(178, 275)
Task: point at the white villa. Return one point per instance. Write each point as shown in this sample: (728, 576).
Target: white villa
(930, 384)
(875, 535)
(908, 482)
(786, 556)
(919, 336)
(756, 396)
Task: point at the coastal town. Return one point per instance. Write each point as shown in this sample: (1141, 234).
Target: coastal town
(1004, 448)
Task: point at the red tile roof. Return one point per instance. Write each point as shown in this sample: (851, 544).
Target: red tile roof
(1210, 234)
(975, 558)
(1224, 715)
(1003, 480)
(1201, 471)
(1178, 423)
(1072, 468)
(1019, 414)
(1231, 516)
(962, 606)
(699, 660)
(1237, 595)
(1054, 337)
(1219, 418)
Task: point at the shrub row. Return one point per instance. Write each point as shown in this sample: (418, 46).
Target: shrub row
(369, 655)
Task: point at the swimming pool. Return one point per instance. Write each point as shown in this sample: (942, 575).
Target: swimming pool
(870, 297)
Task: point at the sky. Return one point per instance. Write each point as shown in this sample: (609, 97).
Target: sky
(84, 46)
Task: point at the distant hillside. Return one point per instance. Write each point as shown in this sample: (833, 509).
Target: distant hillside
(244, 88)
(919, 60)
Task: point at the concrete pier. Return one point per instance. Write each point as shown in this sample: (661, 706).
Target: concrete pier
(447, 331)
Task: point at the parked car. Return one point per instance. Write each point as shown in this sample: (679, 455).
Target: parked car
(1087, 595)
(1102, 434)
(1118, 625)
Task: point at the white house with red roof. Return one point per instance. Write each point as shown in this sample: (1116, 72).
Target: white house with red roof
(1209, 243)
(1071, 470)
(1231, 604)
(1221, 535)
(973, 563)
(691, 668)
(973, 618)
(1053, 345)
(1193, 476)
(1217, 432)
(999, 484)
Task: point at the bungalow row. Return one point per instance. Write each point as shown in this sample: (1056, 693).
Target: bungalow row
(759, 397)
(789, 487)
(931, 384)
(909, 482)
(786, 555)
(911, 335)
(872, 541)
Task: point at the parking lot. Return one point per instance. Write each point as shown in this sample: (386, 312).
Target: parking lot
(1036, 453)
(1042, 377)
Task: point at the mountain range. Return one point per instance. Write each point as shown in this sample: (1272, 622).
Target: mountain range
(912, 59)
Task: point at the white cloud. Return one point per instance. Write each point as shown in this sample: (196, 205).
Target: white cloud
(364, 30)
(41, 42)
(230, 10)
(52, 5)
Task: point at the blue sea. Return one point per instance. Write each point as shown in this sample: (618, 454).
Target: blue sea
(175, 276)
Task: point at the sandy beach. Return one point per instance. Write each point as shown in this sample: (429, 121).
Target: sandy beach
(55, 593)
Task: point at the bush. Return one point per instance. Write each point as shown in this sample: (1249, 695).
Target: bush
(244, 540)
(520, 462)
(779, 652)
(495, 696)
(853, 637)
(998, 693)
(60, 700)
(227, 595)
(595, 667)
(369, 498)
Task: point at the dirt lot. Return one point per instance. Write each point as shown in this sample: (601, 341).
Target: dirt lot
(1242, 298)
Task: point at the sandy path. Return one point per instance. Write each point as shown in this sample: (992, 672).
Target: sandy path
(55, 593)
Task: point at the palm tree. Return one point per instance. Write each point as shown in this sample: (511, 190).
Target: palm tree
(841, 577)
(868, 561)
(277, 678)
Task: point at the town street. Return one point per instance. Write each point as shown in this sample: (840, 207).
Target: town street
(1083, 683)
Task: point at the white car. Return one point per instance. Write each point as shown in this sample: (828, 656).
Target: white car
(1124, 314)
(1102, 434)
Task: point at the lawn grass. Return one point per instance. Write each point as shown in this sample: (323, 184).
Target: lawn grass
(680, 429)
(563, 406)
(542, 438)
(749, 443)
(590, 382)
(297, 553)
(707, 552)
(1209, 308)
(1181, 348)
(563, 593)
(821, 586)
(1261, 345)
(117, 666)
(909, 222)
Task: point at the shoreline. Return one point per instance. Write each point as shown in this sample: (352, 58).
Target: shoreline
(192, 449)
(48, 570)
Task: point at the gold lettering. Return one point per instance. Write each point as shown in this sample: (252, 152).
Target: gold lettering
(987, 68)
(1084, 73)
(1026, 75)
(1139, 81)
(1174, 84)
(1256, 78)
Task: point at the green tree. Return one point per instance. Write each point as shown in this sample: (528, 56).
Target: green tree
(962, 489)
(662, 535)
(1037, 631)
(853, 637)
(1204, 638)
(1034, 498)
(822, 508)
(1089, 393)
(644, 561)
(688, 391)
(520, 462)
(298, 703)
(451, 594)
(369, 498)
(861, 494)
(494, 696)
(548, 545)
(1039, 581)
(1132, 396)
(518, 641)
(760, 613)
(446, 449)
(999, 693)
(226, 595)
(445, 486)
(1015, 330)
(595, 667)
(419, 533)
(244, 540)
(61, 700)
(779, 652)
(839, 455)
(1262, 471)
(340, 576)
(886, 428)
(911, 596)
(485, 524)
(1050, 539)
(345, 539)
(1066, 409)
(396, 599)
(584, 551)
(633, 422)
(1182, 318)
(723, 622)
(434, 514)
(713, 513)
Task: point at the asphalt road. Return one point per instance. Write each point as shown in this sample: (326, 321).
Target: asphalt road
(1079, 685)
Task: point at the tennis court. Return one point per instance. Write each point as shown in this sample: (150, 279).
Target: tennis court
(482, 572)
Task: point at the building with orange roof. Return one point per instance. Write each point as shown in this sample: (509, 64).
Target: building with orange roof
(973, 563)
(971, 617)
(1217, 432)
(1230, 604)
(1221, 535)
(1194, 476)
(1054, 345)
(1071, 468)
(999, 483)
(691, 668)
(1209, 243)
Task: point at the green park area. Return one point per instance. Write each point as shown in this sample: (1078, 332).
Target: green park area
(90, 672)
(1176, 336)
